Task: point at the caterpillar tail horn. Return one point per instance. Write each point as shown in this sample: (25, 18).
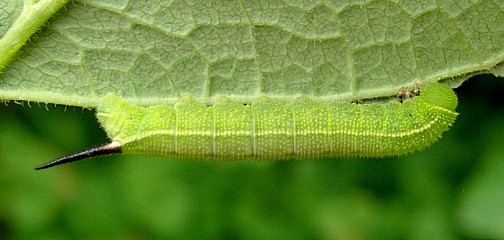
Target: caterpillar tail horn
(106, 149)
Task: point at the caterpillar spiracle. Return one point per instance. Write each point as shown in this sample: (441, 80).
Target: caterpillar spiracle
(269, 129)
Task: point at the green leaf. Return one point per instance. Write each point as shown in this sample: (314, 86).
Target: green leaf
(151, 52)
(30, 17)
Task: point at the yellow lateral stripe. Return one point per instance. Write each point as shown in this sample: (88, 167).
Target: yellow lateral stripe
(286, 133)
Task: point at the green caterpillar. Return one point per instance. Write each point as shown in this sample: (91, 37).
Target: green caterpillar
(272, 130)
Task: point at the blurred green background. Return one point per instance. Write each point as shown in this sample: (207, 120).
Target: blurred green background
(452, 190)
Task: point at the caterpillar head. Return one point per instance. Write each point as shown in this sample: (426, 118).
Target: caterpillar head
(439, 95)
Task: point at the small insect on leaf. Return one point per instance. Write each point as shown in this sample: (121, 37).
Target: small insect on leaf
(273, 130)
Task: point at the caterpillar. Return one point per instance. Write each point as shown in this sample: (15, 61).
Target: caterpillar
(269, 129)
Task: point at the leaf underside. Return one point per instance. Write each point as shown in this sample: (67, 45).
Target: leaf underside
(151, 52)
